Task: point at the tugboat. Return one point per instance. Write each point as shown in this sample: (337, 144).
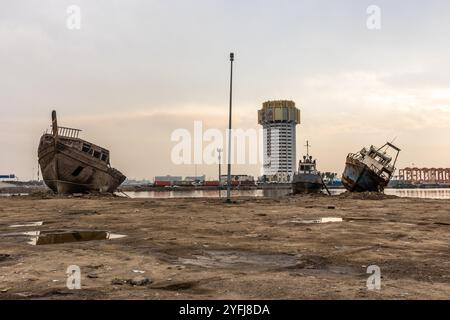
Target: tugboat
(72, 165)
(369, 170)
(307, 179)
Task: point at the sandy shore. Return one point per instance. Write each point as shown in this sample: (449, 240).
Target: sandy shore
(251, 249)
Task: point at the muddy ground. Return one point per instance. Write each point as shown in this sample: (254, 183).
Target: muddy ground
(251, 249)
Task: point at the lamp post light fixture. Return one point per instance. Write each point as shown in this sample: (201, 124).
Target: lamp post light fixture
(229, 131)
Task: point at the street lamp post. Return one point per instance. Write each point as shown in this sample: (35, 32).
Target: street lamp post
(219, 151)
(229, 131)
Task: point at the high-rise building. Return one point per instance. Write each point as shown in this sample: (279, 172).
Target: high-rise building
(279, 119)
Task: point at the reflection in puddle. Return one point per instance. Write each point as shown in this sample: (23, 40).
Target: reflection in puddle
(37, 237)
(321, 220)
(31, 224)
(52, 237)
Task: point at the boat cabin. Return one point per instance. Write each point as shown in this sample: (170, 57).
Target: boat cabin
(307, 165)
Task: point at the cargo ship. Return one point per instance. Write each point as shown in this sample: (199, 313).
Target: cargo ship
(370, 170)
(72, 165)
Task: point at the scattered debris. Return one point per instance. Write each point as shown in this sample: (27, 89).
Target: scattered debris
(136, 281)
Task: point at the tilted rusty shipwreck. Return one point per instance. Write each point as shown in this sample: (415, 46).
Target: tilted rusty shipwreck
(369, 170)
(72, 165)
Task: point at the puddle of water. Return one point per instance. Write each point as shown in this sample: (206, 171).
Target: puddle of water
(38, 238)
(321, 220)
(112, 236)
(43, 237)
(61, 236)
(214, 259)
(30, 224)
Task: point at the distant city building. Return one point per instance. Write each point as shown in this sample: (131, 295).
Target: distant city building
(237, 179)
(424, 175)
(279, 177)
(279, 119)
(134, 182)
(168, 178)
(161, 181)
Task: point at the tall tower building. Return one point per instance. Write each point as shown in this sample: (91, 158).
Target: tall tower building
(279, 119)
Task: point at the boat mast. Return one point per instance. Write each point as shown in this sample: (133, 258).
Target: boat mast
(54, 124)
(307, 148)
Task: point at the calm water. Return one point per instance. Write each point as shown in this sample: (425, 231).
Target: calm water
(12, 194)
(412, 193)
(404, 193)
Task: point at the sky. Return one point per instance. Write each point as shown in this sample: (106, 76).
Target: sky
(136, 71)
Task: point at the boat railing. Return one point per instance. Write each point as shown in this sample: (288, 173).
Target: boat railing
(355, 156)
(383, 173)
(68, 132)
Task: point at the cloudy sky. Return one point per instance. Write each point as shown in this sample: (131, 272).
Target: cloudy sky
(137, 70)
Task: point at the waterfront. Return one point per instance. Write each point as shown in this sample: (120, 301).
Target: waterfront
(403, 193)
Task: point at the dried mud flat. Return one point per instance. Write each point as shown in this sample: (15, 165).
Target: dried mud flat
(204, 249)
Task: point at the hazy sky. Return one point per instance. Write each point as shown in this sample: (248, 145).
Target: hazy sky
(137, 70)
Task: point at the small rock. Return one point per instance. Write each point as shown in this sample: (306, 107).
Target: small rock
(118, 282)
(140, 281)
(92, 275)
(138, 271)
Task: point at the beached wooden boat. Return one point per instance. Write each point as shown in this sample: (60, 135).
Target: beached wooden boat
(72, 165)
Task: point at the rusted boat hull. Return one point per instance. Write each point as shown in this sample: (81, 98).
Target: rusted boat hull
(357, 177)
(66, 170)
(306, 183)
